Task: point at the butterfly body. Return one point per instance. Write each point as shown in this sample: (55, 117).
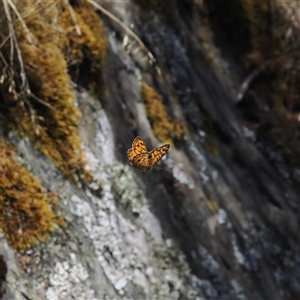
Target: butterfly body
(140, 158)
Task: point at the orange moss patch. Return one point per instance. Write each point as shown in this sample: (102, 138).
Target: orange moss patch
(92, 42)
(26, 209)
(165, 130)
(49, 43)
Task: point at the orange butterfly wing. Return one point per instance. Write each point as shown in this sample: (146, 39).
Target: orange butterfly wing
(158, 153)
(143, 160)
(138, 146)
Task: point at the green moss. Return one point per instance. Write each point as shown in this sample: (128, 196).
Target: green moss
(26, 210)
(164, 129)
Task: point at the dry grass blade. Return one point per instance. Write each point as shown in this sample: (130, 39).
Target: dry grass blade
(4, 41)
(25, 89)
(78, 31)
(14, 45)
(246, 83)
(28, 34)
(41, 101)
(10, 28)
(127, 29)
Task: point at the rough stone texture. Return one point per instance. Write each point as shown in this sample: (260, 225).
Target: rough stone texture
(3, 271)
(199, 227)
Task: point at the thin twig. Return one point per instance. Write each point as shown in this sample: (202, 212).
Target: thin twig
(41, 101)
(28, 35)
(14, 44)
(4, 69)
(11, 30)
(5, 40)
(46, 6)
(127, 29)
(246, 83)
(22, 72)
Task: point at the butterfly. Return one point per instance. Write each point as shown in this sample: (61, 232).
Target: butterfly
(140, 158)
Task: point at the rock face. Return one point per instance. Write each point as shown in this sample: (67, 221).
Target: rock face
(210, 222)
